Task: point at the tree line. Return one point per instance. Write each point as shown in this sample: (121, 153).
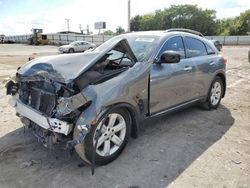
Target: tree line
(192, 17)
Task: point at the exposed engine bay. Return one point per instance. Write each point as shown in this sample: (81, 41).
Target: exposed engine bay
(62, 103)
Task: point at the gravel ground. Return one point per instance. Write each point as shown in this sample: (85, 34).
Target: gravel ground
(191, 148)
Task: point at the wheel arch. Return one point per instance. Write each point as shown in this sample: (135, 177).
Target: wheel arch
(133, 115)
(71, 49)
(223, 78)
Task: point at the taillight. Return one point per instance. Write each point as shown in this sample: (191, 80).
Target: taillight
(224, 60)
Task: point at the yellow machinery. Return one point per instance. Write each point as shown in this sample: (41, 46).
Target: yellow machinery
(38, 38)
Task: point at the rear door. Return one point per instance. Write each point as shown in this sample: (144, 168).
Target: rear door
(84, 46)
(81, 47)
(171, 84)
(202, 58)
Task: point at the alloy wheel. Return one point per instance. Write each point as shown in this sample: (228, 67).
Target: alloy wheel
(215, 93)
(112, 134)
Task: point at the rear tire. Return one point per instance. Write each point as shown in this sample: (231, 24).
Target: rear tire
(215, 94)
(113, 138)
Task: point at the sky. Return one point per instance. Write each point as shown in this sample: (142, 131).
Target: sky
(20, 16)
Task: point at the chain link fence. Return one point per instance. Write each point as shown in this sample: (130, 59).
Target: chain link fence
(231, 40)
(61, 39)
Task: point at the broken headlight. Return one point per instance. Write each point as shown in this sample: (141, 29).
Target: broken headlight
(66, 105)
(11, 85)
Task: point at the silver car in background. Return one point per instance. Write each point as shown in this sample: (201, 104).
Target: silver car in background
(77, 46)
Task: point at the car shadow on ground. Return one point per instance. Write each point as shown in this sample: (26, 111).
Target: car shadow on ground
(165, 148)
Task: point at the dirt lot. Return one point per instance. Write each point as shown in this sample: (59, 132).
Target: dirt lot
(192, 148)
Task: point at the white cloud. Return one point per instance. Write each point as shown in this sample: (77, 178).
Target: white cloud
(114, 12)
(221, 6)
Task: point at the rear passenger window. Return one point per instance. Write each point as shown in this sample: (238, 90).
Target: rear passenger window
(174, 44)
(195, 47)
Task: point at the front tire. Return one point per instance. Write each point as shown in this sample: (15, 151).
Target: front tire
(112, 140)
(215, 93)
(71, 50)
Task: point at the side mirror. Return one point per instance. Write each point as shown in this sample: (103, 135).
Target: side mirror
(169, 56)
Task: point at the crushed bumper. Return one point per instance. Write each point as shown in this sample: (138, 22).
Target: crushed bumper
(37, 117)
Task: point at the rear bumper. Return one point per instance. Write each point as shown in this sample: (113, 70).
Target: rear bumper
(37, 117)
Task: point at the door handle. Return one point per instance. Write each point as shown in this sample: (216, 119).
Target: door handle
(212, 63)
(188, 68)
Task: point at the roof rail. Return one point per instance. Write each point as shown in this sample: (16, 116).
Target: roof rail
(185, 30)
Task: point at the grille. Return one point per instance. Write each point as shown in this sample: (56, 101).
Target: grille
(39, 99)
(42, 100)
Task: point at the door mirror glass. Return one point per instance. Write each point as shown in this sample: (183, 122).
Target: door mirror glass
(169, 56)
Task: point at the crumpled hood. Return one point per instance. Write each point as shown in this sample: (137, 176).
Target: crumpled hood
(62, 68)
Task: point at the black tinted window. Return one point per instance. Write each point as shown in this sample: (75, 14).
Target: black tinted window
(175, 44)
(195, 47)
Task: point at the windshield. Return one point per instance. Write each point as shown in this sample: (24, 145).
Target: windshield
(142, 46)
(73, 43)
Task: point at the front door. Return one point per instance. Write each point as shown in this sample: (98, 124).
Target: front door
(171, 84)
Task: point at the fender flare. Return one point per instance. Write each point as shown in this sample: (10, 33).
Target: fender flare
(134, 114)
(222, 75)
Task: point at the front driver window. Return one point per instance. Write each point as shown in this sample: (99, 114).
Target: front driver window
(174, 44)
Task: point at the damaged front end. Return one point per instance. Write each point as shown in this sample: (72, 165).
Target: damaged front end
(49, 108)
(51, 95)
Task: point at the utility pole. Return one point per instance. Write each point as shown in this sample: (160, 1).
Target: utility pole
(88, 29)
(128, 15)
(80, 27)
(67, 20)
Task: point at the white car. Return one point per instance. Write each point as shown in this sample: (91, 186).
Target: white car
(77, 46)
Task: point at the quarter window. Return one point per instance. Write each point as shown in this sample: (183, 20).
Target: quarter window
(210, 51)
(174, 44)
(195, 47)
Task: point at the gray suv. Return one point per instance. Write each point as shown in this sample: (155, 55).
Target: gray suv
(96, 100)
